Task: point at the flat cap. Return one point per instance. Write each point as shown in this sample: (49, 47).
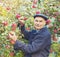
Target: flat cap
(41, 15)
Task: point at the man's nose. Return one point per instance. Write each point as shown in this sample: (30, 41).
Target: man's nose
(38, 22)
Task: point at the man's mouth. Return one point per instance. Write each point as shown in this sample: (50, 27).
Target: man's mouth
(37, 25)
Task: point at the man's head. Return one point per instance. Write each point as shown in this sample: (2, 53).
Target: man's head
(40, 21)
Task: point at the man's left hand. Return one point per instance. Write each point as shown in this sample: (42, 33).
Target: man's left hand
(12, 36)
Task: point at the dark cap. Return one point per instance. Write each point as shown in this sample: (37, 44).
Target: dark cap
(41, 15)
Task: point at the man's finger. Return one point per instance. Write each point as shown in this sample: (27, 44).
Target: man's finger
(12, 33)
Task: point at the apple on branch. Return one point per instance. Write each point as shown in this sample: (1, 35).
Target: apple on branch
(14, 26)
(5, 23)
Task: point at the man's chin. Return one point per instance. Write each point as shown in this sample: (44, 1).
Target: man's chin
(37, 28)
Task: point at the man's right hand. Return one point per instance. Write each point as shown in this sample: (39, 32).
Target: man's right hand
(21, 21)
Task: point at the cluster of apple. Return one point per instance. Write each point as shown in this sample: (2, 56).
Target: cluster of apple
(54, 27)
(34, 3)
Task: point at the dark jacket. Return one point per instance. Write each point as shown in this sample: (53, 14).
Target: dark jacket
(39, 43)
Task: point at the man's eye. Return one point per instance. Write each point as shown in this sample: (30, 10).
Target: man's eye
(40, 21)
(36, 20)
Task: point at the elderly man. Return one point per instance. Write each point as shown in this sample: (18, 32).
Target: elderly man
(39, 38)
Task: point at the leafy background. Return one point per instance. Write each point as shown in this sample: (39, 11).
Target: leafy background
(11, 10)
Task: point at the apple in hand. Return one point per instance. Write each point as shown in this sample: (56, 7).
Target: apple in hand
(18, 16)
(12, 41)
(12, 36)
(21, 21)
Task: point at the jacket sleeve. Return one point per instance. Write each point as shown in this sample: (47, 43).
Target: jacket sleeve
(39, 43)
(24, 31)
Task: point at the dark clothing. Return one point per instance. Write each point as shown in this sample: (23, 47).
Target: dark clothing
(39, 43)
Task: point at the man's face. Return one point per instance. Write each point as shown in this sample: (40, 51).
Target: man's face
(39, 23)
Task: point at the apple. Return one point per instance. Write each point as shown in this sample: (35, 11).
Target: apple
(34, 6)
(5, 23)
(18, 16)
(35, 1)
(11, 54)
(25, 18)
(51, 50)
(37, 12)
(7, 46)
(55, 30)
(14, 26)
(54, 39)
(48, 22)
(12, 41)
(8, 8)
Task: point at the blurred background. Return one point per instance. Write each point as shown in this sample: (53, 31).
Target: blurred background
(12, 10)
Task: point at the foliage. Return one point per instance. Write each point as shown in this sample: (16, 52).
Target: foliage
(11, 10)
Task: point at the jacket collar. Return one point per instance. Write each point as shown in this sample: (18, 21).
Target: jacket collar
(39, 31)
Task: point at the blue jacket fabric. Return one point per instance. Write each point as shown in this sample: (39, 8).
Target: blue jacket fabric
(38, 45)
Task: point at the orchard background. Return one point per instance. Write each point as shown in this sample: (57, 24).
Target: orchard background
(11, 10)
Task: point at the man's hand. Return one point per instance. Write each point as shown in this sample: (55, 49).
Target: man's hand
(12, 36)
(21, 21)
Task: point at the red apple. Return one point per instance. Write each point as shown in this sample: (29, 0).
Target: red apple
(55, 30)
(35, 1)
(34, 6)
(14, 26)
(12, 41)
(8, 8)
(51, 50)
(18, 16)
(11, 54)
(37, 12)
(25, 18)
(54, 39)
(5, 23)
(7, 46)
(48, 22)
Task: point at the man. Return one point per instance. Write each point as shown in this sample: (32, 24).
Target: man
(39, 38)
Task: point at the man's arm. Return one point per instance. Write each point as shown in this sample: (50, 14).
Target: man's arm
(24, 31)
(39, 43)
